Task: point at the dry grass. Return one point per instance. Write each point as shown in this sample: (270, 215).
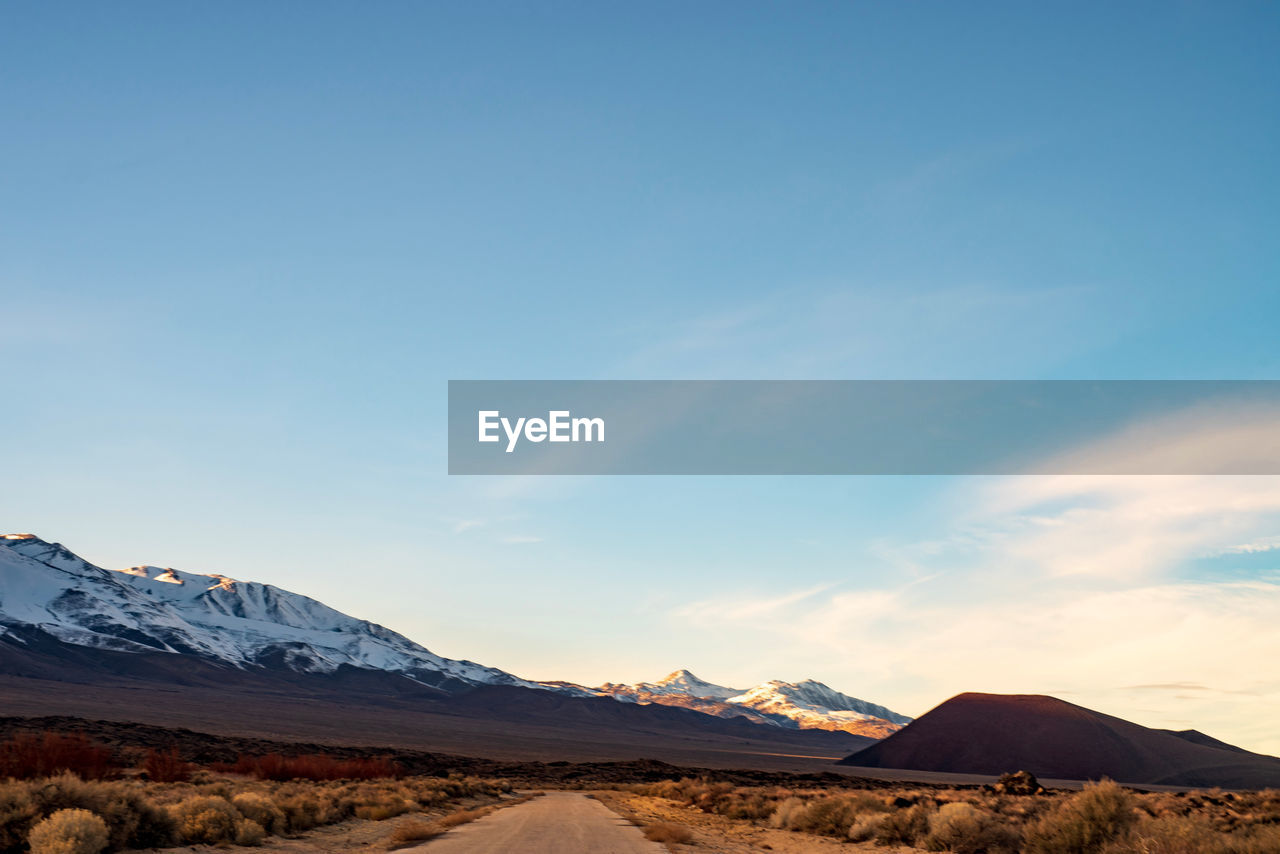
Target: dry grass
(667, 833)
(454, 819)
(411, 832)
(1085, 824)
(221, 810)
(1104, 818)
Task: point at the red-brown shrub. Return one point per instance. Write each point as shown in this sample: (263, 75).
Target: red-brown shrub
(30, 755)
(274, 766)
(166, 767)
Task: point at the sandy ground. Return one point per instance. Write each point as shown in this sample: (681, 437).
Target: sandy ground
(559, 823)
(714, 834)
(356, 835)
(562, 823)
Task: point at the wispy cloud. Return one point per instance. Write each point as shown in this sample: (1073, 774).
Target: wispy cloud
(1262, 544)
(874, 330)
(1080, 584)
(1117, 527)
(1222, 434)
(746, 608)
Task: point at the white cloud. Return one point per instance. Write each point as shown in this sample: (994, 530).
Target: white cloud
(1081, 586)
(1116, 527)
(1226, 434)
(1261, 544)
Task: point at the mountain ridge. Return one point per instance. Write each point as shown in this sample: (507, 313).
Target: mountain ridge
(807, 704)
(246, 624)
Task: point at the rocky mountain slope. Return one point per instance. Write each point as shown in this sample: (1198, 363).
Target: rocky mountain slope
(148, 609)
(46, 588)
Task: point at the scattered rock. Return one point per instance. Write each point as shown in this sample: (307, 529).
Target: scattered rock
(1019, 783)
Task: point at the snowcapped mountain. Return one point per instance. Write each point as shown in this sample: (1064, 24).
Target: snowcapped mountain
(680, 683)
(803, 705)
(813, 705)
(149, 609)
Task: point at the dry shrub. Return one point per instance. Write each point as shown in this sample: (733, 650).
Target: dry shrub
(747, 807)
(249, 832)
(69, 832)
(301, 812)
(1266, 803)
(783, 812)
(1169, 835)
(383, 810)
(824, 817)
(1102, 813)
(664, 832)
(30, 755)
(830, 815)
(706, 795)
(1195, 835)
(1102, 818)
(18, 811)
(967, 829)
(454, 819)
(411, 831)
(142, 815)
(207, 819)
(904, 826)
(133, 821)
(866, 826)
(308, 805)
(259, 808)
(166, 766)
(1262, 839)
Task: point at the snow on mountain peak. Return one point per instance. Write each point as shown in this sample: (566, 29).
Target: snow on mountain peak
(154, 609)
(808, 704)
(685, 682)
(812, 700)
(680, 683)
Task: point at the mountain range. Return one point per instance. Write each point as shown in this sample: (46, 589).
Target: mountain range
(168, 648)
(806, 705)
(252, 627)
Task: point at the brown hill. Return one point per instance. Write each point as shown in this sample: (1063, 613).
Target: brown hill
(40, 675)
(1000, 733)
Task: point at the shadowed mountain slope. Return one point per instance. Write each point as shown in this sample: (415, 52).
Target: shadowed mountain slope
(999, 733)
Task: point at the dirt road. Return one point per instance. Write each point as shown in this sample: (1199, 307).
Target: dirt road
(557, 823)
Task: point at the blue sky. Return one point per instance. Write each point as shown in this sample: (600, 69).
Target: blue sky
(243, 248)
